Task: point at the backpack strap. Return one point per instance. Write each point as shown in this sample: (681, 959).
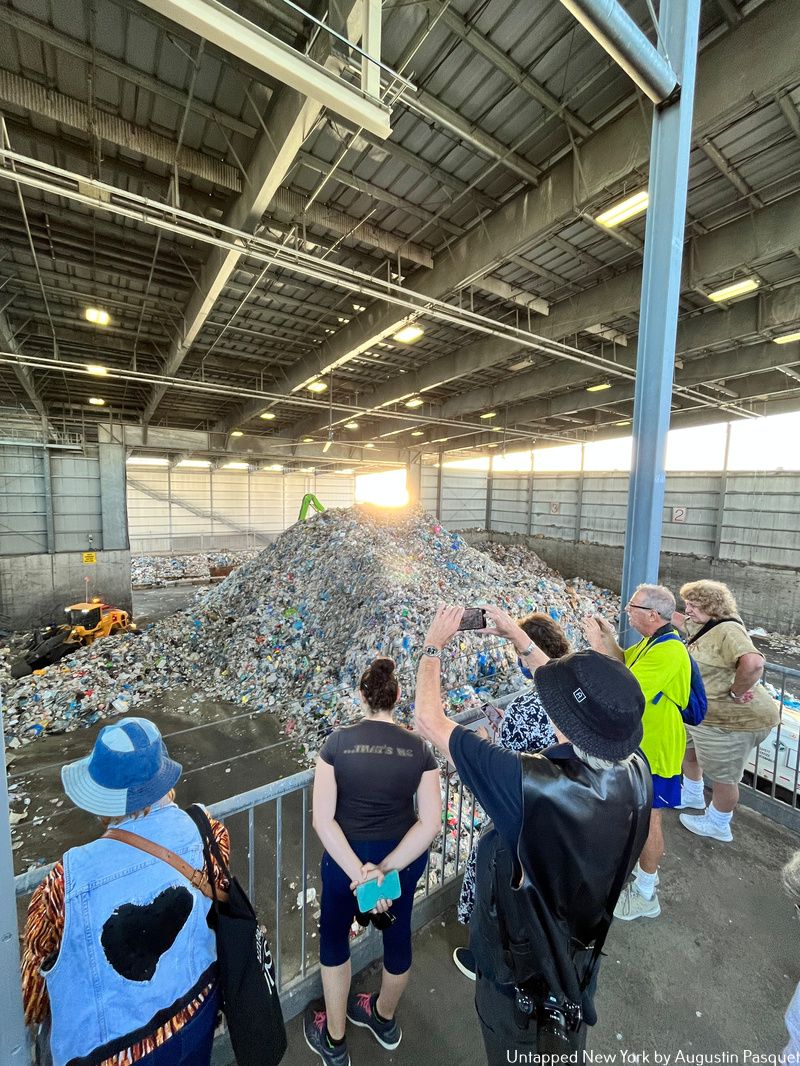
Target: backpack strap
(709, 625)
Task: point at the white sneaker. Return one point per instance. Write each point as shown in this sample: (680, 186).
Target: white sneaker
(704, 827)
(632, 904)
(690, 803)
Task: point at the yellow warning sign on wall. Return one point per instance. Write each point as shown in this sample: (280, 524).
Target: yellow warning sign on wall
(90, 557)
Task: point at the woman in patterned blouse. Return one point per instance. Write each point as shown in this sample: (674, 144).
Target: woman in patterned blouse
(525, 728)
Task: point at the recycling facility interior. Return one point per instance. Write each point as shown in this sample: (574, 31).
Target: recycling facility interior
(452, 255)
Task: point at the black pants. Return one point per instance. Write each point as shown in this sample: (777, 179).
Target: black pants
(502, 1033)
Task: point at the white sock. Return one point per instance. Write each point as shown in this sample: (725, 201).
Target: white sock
(693, 789)
(722, 819)
(646, 883)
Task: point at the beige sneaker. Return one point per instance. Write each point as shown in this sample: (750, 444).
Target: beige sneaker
(632, 904)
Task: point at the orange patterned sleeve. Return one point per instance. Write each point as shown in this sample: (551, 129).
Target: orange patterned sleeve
(44, 929)
(223, 840)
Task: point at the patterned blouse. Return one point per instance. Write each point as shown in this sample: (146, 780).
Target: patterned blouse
(526, 728)
(44, 929)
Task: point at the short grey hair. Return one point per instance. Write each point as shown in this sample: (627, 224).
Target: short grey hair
(790, 875)
(658, 598)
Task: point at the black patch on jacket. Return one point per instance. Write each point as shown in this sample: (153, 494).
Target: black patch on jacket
(136, 936)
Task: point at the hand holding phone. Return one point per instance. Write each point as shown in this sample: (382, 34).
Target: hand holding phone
(369, 893)
(473, 618)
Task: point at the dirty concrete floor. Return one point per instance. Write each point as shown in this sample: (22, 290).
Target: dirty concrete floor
(713, 974)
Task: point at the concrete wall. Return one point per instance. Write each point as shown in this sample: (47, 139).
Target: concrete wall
(190, 509)
(56, 504)
(743, 529)
(35, 589)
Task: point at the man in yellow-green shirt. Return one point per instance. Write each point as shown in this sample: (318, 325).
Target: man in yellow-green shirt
(663, 670)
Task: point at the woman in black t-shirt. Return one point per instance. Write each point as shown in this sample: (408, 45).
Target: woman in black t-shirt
(366, 781)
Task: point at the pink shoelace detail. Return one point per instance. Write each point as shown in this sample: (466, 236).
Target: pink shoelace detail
(364, 1000)
(320, 1017)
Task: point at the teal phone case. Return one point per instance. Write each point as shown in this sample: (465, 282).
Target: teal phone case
(368, 894)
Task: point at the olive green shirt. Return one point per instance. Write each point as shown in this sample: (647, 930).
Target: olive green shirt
(717, 653)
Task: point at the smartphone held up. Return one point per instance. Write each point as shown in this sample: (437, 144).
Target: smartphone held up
(473, 618)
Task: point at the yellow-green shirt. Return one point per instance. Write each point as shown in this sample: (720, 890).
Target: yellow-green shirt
(664, 674)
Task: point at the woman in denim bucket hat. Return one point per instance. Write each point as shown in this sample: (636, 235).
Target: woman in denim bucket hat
(117, 942)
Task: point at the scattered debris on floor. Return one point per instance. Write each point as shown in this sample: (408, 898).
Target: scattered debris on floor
(158, 571)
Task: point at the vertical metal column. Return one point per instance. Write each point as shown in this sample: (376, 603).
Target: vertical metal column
(579, 500)
(658, 317)
(489, 491)
(439, 485)
(47, 472)
(13, 1037)
(530, 501)
(723, 495)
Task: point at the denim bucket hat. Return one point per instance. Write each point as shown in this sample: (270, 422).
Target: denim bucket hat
(128, 769)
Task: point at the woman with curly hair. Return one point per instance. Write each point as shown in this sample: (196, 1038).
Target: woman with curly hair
(741, 713)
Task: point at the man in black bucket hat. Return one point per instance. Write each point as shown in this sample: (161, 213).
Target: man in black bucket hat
(568, 825)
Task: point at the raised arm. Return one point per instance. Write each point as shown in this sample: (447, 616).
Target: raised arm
(505, 626)
(430, 720)
(601, 636)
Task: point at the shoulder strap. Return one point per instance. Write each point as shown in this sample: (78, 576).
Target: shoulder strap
(709, 625)
(198, 878)
(654, 640)
(210, 848)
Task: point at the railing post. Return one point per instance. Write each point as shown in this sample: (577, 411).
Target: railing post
(13, 1035)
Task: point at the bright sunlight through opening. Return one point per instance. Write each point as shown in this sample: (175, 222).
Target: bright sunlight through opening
(386, 489)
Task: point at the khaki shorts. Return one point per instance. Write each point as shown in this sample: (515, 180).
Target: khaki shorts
(722, 753)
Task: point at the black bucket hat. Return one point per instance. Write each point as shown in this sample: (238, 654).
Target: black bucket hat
(595, 701)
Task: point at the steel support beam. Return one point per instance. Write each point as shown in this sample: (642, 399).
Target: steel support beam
(290, 119)
(22, 374)
(661, 287)
(616, 32)
(755, 62)
(214, 22)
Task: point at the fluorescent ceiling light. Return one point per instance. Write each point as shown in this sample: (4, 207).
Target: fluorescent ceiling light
(195, 462)
(489, 414)
(97, 316)
(306, 469)
(351, 425)
(146, 460)
(409, 334)
(344, 321)
(369, 444)
(599, 388)
(730, 292)
(308, 440)
(415, 401)
(317, 386)
(359, 307)
(267, 416)
(97, 401)
(236, 466)
(439, 440)
(345, 470)
(417, 433)
(523, 364)
(236, 433)
(624, 422)
(624, 210)
(97, 371)
(275, 466)
(493, 445)
(787, 338)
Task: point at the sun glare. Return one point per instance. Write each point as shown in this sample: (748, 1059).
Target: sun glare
(385, 489)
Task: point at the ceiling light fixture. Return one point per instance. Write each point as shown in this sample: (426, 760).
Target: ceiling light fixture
(96, 371)
(236, 466)
(408, 334)
(787, 338)
(97, 316)
(267, 416)
(730, 292)
(308, 440)
(624, 422)
(599, 388)
(417, 433)
(415, 401)
(146, 460)
(369, 444)
(351, 425)
(306, 469)
(523, 364)
(275, 466)
(197, 463)
(624, 210)
(489, 414)
(236, 433)
(317, 386)
(96, 401)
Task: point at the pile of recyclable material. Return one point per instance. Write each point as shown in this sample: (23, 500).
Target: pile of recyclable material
(157, 571)
(290, 631)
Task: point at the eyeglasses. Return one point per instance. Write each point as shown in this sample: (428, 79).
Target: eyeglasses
(637, 607)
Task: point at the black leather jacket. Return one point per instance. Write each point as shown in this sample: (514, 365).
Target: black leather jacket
(538, 911)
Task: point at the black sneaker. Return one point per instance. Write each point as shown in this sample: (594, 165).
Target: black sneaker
(315, 1030)
(361, 1011)
(465, 961)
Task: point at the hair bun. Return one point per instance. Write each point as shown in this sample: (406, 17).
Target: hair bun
(384, 665)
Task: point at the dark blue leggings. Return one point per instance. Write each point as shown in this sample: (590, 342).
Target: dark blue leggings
(339, 908)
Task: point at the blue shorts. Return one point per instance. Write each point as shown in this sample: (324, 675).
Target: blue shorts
(666, 791)
(339, 908)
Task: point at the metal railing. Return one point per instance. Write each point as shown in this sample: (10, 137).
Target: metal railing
(271, 827)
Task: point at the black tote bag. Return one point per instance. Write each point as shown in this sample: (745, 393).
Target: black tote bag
(247, 983)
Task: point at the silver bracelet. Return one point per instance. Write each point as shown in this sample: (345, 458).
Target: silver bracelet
(524, 654)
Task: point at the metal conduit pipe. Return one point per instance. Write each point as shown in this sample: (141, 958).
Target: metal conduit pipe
(616, 32)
